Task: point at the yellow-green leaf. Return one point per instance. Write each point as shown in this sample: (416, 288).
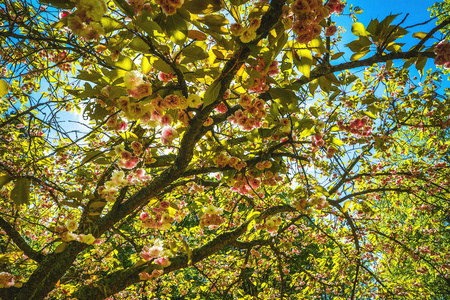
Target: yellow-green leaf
(4, 179)
(146, 66)
(369, 114)
(4, 88)
(419, 35)
(346, 206)
(176, 29)
(358, 55)
(211, 93)
(21, 192)
(358, 29)
(420, 64)
(60, 248)
(305, 62)
(214, 20)
(337, 142)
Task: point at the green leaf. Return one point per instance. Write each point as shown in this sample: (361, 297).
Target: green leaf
(75, 195)
(313, 86)
(313, 111)
(162, 66)
(317, 45)
(60, 248)
(238, 2)
(359, 55)
(176, 29)
(203, 6)
(91, 155)
(419, 35)
(253, 215)
(21, 192)
(188, 251)
(363, 43)
(125, 7)
(148, 25)
(214, 20)
(305, 62)
(212, 92)
(145, 65)
(285, 95)
(195, 52)
(4, 179)
(86, 76)
(138, 44)
(4, 88)
(109, 24)
(369, 114)
(337, 141)
(321, 190)
(358, 29)
(337, 55)
(346, 206)
(325, 84)
(123, 62)
(420, 64)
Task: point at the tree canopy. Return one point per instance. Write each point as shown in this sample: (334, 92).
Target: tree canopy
(222, 149)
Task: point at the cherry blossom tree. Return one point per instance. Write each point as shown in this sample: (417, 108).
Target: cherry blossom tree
(222, 149)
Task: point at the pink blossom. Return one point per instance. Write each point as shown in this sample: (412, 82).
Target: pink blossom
(168, 134)
(166, 120)
(165, 77)
(6, 280)
(144, 216)
(163, 261)
(63, 14)
(330, 30)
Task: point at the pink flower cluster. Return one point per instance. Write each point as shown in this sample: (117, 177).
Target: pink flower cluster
(359, 127)
(244, 184)
(271, 224)
(330, 30)
(159, 218)
(136, 86)
(160, 257)
(157, 250)
(165, 77)
(155, 274)
(264, 165)
(308, 15)
(168, 134)
(251, 116)
(223, 160)
(442, 50)
(212, 217)
(170, 6)
(67, 235)
(335, 6)
(85, 21)
(272, 70)
(260, 84)
(306, 205)
(6, 280)
(317, 140)
(247, 184)
(139, 6)
(127, 159)
(112, 186)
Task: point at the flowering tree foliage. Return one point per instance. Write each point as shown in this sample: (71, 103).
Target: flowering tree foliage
(230, 149)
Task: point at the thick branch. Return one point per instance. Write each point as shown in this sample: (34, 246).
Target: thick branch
(20, 242)
(119, 280)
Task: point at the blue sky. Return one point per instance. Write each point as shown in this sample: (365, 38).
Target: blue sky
(378, 9)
